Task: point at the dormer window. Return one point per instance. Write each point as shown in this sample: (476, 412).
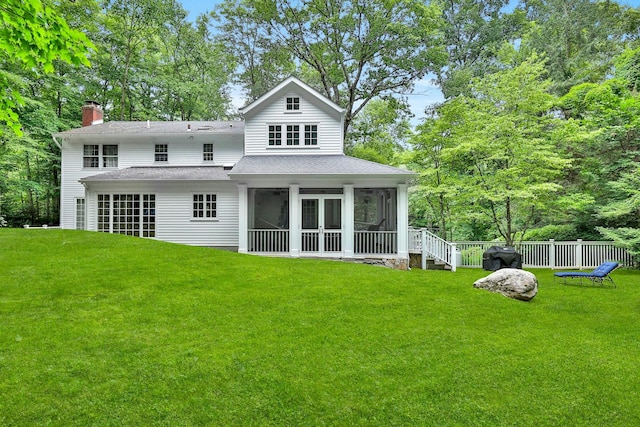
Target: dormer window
(292, 104)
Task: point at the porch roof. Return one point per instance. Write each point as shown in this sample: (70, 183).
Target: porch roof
(314, 165)
(163, 173)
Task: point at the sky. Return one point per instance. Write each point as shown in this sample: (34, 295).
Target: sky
(425, 92)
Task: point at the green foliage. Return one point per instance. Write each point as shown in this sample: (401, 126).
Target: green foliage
(261, 63)
(622, 214)
(493, 156)
(34, 35)
(474, 31)
(579, 38)
(605, 142)
(628, 68)
(356, 50)
(563, 232)
(380, 132)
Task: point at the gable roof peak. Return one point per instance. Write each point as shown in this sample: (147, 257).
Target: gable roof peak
(287, 83)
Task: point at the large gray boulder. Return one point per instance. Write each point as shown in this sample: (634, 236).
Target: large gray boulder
(510, 282)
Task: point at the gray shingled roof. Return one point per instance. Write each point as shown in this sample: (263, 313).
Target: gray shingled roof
(163, 173)
(312, 164)
(155, 128)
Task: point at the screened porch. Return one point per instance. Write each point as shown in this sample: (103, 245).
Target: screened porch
(323, 222)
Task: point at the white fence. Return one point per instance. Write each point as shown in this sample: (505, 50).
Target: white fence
(551, 254)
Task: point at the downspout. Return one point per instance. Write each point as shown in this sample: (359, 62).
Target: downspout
(56, 142)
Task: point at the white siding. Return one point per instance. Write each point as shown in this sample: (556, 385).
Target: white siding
(182, 152)
(312, 111)
(174, 210)
(70, 188)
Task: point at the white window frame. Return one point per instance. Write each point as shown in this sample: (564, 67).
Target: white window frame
(311, 141)
(275, 129)
(204, 207)
(161, 153)
(81, 213)
(292, 104)
(96, 157)
(93, 156)
(208, 155)
(307, 135)
(137, 212)
(106, 158)
(293, 135)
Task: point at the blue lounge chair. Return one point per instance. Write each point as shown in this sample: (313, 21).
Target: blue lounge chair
(597, 276)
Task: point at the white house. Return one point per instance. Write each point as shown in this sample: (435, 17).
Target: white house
(277, 183)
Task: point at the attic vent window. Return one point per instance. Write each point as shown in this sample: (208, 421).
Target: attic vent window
(293, 103)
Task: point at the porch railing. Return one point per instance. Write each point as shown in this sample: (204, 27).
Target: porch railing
(375, 242)
(269, 241)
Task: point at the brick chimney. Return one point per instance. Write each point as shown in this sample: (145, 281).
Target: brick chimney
(91, 113)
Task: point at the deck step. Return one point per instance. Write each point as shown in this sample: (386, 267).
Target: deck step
(415, 261)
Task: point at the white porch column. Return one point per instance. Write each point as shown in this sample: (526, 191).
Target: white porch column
(294, 220)
(243, 219)
(348, 226)
(403, 221)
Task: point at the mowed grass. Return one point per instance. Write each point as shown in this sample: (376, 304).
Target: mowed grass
(102, 329)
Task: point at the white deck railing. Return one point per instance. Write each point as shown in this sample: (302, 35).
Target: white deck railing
(430, 245)
(375, 242)
(269, 241)
(365, 242)
(551, 254)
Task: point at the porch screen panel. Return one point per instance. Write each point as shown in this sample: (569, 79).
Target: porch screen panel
(268, 216)
(310, 238)
(310, 214)
(375, 217)
(332, 221)
(375, 209)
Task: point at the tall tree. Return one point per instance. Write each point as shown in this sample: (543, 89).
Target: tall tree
(261, 62)
(192, 74)
(131, 26)
(579, 38)
(474, 31)
(605, 141)
(498, 151)
(355, 50)
(622, 214)
(380, 132)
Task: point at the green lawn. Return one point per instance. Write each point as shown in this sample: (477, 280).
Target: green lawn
(110, 330)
